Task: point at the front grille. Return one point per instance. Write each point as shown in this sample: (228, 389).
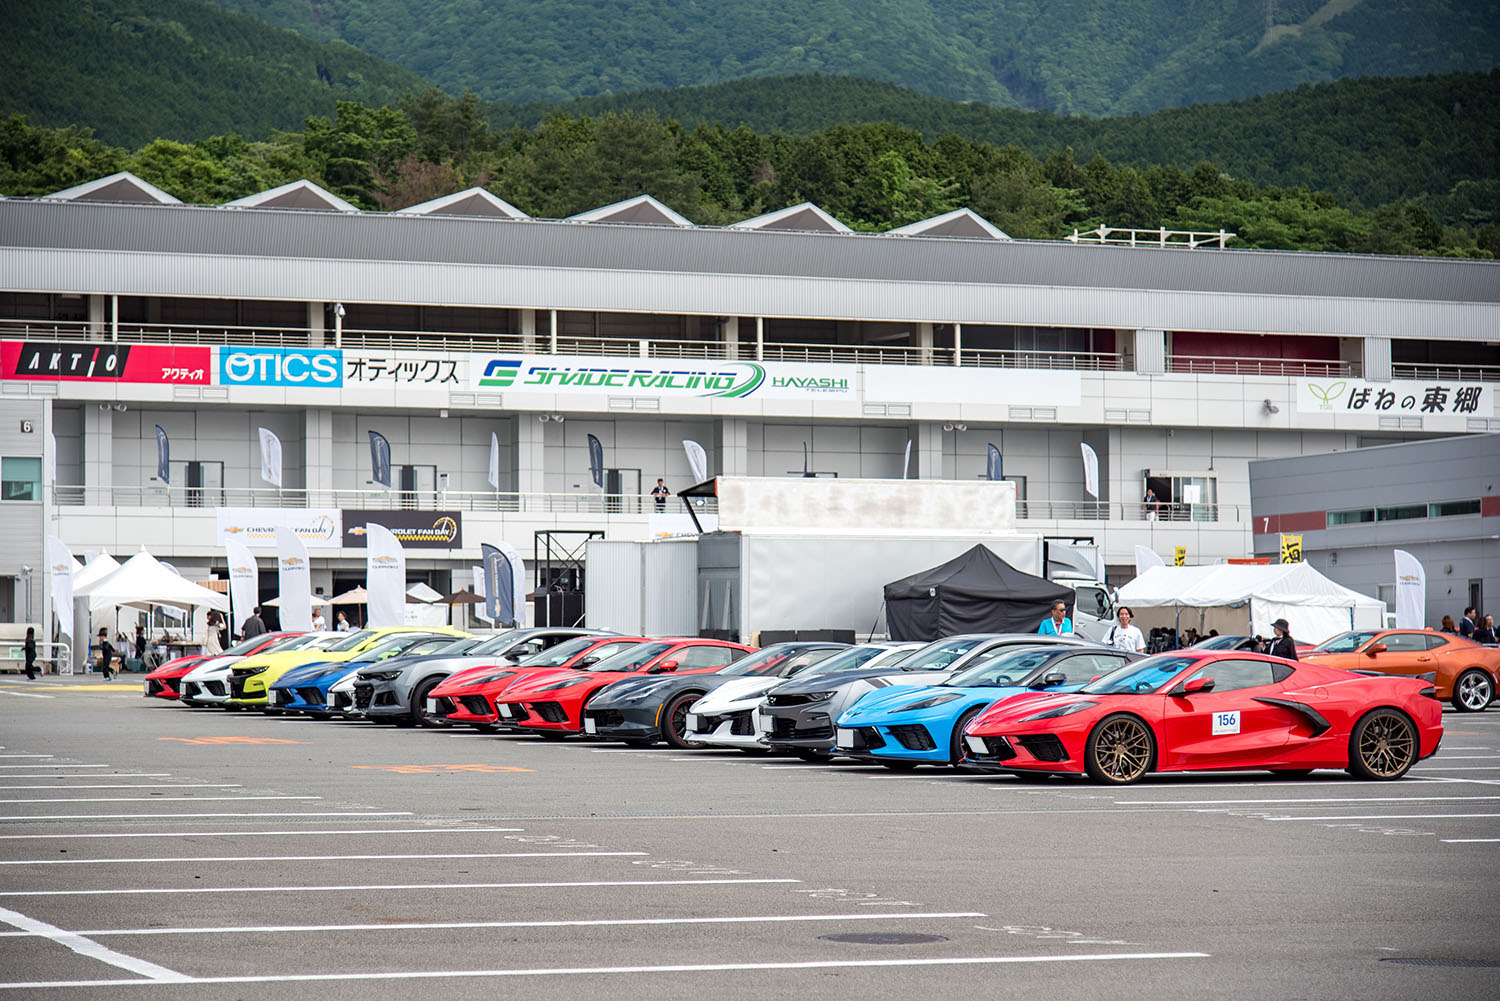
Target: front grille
(189, 688)
(478, 705)
(998, 748)
(550, 711)
(742, 724)
(786, 728)
(312, 696)
(871, 737)
(604, 717)
(362, 696)
(154, 687)
(517, 713)
(789, 700)
(214, 687)
(339, 700)
(279, 697)
(236, 688)
(1044, 747)
(913, 737)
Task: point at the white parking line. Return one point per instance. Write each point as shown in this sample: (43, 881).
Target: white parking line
(117, 775)
(25, 755)
(153, 799)
(25, 695)
(1437, 759)
(138, 785)
(1434, 766)
(187, 816)
(1331, 799)
(583, 923)
(93, 950)
(1470, 841)
(55, 766)
(258, 834)
(1399, 816)
(588, 971)
(305, 858)
(572, 884)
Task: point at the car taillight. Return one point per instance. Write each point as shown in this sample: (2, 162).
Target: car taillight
(1431, 693)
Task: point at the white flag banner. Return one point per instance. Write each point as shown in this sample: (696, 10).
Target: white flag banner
(1145, 559)
(244, 583)
(906, 462)
(1411, 591)
(697, 460)
(270, 457)
(294, 580)
(60, 567)
(1090, 471)
(52, 461)
(494, 460)
(517, 582)
(385, 577)
(479, 609)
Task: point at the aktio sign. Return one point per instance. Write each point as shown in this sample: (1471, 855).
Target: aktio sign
(413, 529)
(54, 361)
(317, 368)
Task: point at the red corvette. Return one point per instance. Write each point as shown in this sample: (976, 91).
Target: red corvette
(551, 703)
(1213, 710)
(162, 682)
(468, 696)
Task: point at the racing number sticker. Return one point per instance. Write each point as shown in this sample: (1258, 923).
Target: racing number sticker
(1226, 723)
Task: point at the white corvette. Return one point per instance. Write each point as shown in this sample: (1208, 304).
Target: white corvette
(725, 717)
(208, 683)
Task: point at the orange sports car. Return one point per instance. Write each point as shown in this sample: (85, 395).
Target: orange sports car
(1465, 671)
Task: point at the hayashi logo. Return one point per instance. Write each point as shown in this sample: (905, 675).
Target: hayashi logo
(1327, 395)
(730, 381)
(824, 384)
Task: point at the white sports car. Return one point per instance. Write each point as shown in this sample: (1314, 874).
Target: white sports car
(208, 683)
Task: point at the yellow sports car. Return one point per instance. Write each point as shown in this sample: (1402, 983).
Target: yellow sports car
(251, 678)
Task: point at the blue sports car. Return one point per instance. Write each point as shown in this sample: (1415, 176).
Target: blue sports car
(305, 689)
(904, 726)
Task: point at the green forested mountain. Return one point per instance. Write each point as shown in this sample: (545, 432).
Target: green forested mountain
(135, 69)
(1093, 57)
(1367, 141)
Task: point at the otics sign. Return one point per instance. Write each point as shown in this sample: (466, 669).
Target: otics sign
(413, 529)
(256, 526)
(99, 362)
(730, 380)
(1407, 398)
(291, 368)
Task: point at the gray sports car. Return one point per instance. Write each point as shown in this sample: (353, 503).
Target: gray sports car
(797, 717)
(396, 690)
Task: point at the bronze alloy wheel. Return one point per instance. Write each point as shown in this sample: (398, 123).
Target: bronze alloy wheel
(1120, 750)
(1384, 745)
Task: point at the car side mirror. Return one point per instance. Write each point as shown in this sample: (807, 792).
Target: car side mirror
(1374, 648)
(666, 668)
(585, 662)
(1049, 680)
(1195, 686)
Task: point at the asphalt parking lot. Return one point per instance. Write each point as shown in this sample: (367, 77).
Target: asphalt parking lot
(150, 850)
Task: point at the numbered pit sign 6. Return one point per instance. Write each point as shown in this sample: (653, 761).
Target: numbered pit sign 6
(1226, 723)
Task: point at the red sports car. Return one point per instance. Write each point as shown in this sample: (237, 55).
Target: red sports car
(162, 682)
(1214, 710)
(467, 697)
(551, 703)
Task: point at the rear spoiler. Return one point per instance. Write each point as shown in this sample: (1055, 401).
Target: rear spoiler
(1430, 676)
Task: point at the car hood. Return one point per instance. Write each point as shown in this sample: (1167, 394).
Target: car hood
(527, 684)
(1027, 702)
(317, 669)
(824, 682)
(655, 688)
(213, 669)
(880, 705)
(429, 665)
(283, 662)
(737, 694)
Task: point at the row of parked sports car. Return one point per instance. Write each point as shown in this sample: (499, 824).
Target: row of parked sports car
(1019, 703)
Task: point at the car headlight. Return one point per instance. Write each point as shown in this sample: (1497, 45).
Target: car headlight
(819, 696)
(567, 683)
(1067, 710)
(485, 679)
(642, 693)
(247, 672)
(936, 700)
(380, 675)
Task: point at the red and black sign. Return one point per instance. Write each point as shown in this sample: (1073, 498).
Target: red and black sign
(96, 362)
(413, 529)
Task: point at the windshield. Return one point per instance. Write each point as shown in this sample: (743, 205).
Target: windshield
(938, 655)
(495, 644)
(1219, 643)
(1141, 677)
(456, 647)
(633, 659)
(1002, 667)
(778, 660)
(1345, 642)
(350, 641)
(314, 641)
(560, 654)
(846, 660)
(409, 646)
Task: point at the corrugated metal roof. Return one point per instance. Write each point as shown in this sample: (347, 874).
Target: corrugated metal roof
(532, 244)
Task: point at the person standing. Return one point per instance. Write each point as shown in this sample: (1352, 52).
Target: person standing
(1283, 645)
(342, 625)
(211, 645)
(1151, 504)
(140, 645)
(253, 626)
(1466, 624)
(106, 654)
(318, 622)
(30, 654)
(1484, 632)
(1058, 623)
(1447, 625)
(1124, 636)
(659, 493)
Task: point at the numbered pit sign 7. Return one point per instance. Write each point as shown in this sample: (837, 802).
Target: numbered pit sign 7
(1226, 723)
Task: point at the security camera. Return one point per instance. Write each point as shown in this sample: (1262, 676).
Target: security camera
(338, 310)
(542, 418)
(120, 407)
(947, 427)
(558, 417)
(1270, 407)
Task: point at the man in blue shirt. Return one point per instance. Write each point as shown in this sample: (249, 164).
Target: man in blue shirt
(1058, 624)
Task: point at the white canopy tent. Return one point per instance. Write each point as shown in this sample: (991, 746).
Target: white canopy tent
(94, 571)
(1239, 597)
(143, 582)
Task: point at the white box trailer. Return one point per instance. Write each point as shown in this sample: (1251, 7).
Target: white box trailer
(642, 588)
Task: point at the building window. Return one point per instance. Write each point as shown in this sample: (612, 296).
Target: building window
(20, 479)
(1355, 517)
(1446, 509)
(1405, 512)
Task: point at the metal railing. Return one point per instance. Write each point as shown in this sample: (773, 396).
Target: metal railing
(61, 658)
(1454, 373)
(189, 499)
(1072, 510)
(1213, 365)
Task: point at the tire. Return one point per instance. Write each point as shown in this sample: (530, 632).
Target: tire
(956, 741)
(899, 766)
(1120, 749)
(1383, 746)
(1473, 691)
(418, 708)
(674, 721)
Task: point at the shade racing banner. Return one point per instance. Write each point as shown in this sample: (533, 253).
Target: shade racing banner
(570, 376)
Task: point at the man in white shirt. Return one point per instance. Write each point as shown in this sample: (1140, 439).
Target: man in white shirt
(1124, 636)
(318, 622)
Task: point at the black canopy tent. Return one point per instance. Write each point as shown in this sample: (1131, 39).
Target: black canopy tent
(976, 592)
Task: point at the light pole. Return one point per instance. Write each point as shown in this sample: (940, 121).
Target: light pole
(26, 585)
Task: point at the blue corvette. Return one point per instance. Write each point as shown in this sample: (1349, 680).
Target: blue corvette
(305, 689)
(905, 726)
